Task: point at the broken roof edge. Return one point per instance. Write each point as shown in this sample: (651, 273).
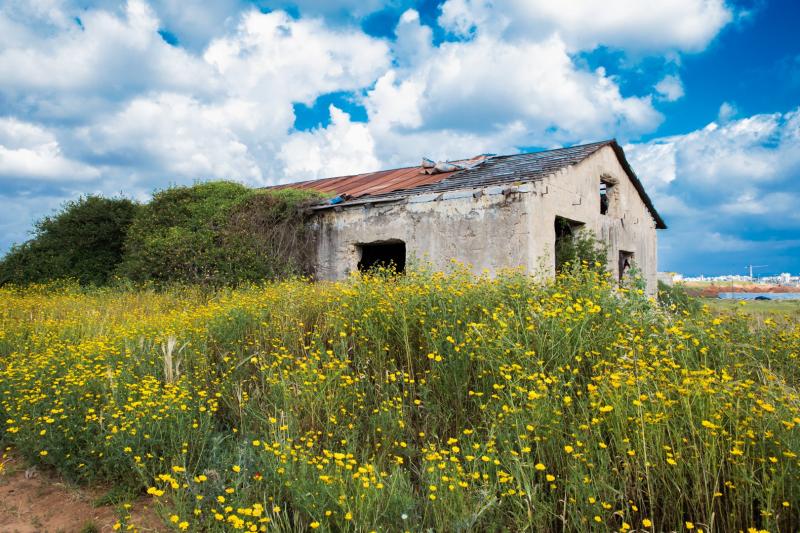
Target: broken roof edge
(452, 180)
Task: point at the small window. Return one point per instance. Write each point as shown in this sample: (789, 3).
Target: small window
(386, 254)
(625, 264)
(606, 195)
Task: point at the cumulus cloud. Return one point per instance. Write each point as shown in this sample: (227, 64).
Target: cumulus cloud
(414, 40)
(177, 136)
(276, 58)
(30, 151)
(341, 148)
(335, 10)
(196, 22)
(488, 87)
(670, 88)
(727, 111)
(683, 25)
(80, 69)
(726, 187)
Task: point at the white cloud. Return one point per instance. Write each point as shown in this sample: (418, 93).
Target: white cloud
(726, 112)
(684, 25)
(31, 152)
(274, 58)
(196, 22)
(670, 88)
(722, 187)
(414, 40)
(756, 202)
(333, 10)
(715, 241)
(71, 71)
(654, 162)
(179, 137)
(343, 147)
(757, 149)
(489, 88)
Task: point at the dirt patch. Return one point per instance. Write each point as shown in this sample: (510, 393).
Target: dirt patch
(712, 291)
(39, 502)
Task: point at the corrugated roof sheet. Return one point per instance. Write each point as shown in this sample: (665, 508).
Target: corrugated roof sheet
(399, 183)
(371, 183)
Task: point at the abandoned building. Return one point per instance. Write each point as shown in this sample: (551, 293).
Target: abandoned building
(491, 212)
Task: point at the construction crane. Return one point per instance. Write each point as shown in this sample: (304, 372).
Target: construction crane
(751, 267)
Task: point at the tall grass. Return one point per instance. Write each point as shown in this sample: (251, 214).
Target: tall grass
(432, 400)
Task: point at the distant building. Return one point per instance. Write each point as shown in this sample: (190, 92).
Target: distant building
(492, 212)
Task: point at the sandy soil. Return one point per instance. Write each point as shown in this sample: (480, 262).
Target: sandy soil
(35, 502)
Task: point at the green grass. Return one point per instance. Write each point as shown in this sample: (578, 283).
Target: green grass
(757, 308)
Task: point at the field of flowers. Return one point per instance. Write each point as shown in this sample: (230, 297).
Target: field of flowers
(439, 401)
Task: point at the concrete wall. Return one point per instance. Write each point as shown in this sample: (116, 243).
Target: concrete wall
(491, 230)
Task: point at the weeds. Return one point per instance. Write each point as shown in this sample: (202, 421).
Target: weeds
(431, 400)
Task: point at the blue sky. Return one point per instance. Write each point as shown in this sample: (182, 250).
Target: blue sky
(123, 98)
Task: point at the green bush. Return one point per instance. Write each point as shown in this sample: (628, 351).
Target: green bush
(83, 241)
(675, 298)
(267, 236)
(216, 233)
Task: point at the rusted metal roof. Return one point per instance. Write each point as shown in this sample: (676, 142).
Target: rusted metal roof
(371, 183)
(397, 184)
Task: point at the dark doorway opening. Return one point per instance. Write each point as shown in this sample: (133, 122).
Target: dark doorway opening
(385, 254)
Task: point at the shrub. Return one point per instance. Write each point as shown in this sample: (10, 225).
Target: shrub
(577, 246)
(173, 237)
(267, 236)
(217, 233)
(84, 241)
(676, 298)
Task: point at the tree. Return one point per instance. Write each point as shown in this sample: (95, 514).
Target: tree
(83, 241)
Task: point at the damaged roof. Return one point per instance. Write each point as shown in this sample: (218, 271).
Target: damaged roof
(478, 172)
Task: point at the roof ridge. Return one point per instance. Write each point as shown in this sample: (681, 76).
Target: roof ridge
(502, 156)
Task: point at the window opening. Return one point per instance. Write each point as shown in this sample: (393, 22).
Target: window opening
(625, 264)
(565, 250)
(383, 254)
(607, 194)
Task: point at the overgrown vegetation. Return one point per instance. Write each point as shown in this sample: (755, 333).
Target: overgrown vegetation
(212, 233)
(267, 236)
(429, 401)
(175, 236)
(83, 242)
(576, 246)
(677, 298)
